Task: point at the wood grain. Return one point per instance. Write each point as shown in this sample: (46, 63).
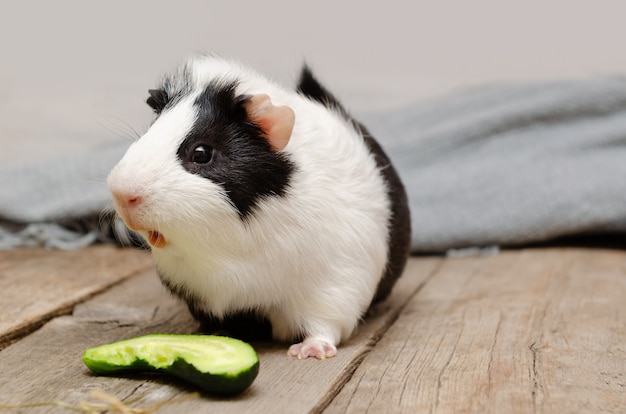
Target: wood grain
(46, 365)
(520, 332)
(38, 284)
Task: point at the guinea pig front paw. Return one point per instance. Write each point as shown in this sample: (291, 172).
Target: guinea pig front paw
(313, 347)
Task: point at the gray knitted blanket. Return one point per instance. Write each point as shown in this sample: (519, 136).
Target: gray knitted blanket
(496, 166)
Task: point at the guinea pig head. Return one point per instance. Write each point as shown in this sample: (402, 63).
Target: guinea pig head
(207, 161)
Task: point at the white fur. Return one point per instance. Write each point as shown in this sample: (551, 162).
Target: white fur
(311, 260)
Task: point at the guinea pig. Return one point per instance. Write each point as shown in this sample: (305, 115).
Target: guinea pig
(260, 200)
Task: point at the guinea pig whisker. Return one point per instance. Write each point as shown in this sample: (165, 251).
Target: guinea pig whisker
(119, 127)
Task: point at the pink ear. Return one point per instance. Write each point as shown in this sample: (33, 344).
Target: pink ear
(275, 121)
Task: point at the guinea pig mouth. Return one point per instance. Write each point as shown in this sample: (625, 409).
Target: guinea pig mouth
(156, 239)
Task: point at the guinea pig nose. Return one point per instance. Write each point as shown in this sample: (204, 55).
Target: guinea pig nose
(126, 200)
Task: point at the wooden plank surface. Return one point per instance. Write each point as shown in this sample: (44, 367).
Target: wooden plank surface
(46, 365)
(38, 284)
(520, 332)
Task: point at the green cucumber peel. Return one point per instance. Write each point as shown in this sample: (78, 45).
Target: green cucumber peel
(216, 364)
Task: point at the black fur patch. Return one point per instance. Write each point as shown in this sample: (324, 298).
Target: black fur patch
(312, 89)
(158, 100)
(241, 159)
(400, 223)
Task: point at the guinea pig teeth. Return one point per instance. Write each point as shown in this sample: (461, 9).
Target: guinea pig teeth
(156, 239)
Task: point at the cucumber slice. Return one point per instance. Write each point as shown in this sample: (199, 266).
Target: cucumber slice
(216, 364)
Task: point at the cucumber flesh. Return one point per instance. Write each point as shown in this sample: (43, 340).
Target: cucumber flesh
(217, 364)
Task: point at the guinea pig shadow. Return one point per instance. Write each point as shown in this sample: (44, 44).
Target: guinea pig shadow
(247, 326)
(255, 328)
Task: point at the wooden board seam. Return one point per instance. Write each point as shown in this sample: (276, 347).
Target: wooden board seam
(371, 343)
(30, 327)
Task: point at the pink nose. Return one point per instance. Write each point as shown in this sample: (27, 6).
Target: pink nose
(125, 200)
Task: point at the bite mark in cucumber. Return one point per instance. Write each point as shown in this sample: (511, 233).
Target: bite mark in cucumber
(216, 364)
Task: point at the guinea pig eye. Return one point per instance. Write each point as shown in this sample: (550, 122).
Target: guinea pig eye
(201, 154)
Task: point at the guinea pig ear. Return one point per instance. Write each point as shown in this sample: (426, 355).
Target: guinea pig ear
(157, 100)
(276, 122)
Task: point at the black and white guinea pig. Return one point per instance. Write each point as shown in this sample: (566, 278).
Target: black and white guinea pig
(258, 200)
